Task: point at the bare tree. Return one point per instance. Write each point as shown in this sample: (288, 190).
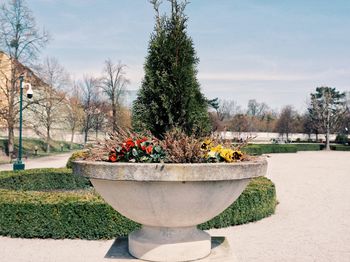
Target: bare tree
(21, 41)
(100, 116)
(74, 113)
(286, 120)
(239, 123)
(256, 109)
(227, 109)
(327, 109)
(51, 99)
(90, 101)
(113, 85)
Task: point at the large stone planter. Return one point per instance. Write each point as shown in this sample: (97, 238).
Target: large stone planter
(170, 200)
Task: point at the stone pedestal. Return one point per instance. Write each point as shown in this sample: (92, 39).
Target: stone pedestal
(220, 252)
(169, 244)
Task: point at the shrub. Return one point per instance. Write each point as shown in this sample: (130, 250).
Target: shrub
(308, 147)
(340, 147)
(59, 215)
(75, 156)
(42, 179)
(257, 201)
(85, 215)
(258, 149)
(342, 139)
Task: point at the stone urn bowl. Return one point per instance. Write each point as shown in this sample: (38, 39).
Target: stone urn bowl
(170, 200)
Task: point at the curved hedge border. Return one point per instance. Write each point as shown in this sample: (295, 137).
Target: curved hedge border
(83, 214)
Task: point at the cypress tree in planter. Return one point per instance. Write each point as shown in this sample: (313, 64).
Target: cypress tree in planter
(170, 94)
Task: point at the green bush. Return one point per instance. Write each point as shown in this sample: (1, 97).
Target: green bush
(308, 147)
(253, 150)
(59, 215)
(42, 180)
(257, 201)
(340, 147)
(258, 149)
(75, 156)
(83, 214)
(342, 139)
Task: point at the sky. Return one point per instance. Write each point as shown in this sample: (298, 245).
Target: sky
(274, 51)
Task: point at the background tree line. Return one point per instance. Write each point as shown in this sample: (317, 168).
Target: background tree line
(328, 112)
(90, 104)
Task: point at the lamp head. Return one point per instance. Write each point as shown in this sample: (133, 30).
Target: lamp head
(29, 91)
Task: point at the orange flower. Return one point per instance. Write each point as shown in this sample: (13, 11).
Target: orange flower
(149, 149)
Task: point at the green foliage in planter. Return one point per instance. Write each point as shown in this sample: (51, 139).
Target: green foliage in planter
(42, 180)
(76, 155)
(170, 95)
(256, 202)
(85, 215)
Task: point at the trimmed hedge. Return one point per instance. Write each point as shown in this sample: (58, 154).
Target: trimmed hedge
(340, 147)
(59, 215)
(42, 180)
(83, 214)
(259, 149)
(308, 147)
(257, 201)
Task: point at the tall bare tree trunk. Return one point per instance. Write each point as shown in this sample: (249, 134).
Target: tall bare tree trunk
(114, 117)
(48, 140)
(328, 131)
(71, 139)
(86, 131)
(11, 137)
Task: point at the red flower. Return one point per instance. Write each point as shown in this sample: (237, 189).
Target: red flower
(112, 157)
(149, 149)
(140, 141)
(129, 144)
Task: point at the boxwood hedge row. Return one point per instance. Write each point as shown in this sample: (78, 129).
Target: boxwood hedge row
(83, 214)
(42, 180)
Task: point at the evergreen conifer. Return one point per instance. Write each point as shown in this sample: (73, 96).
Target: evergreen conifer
(170, 95)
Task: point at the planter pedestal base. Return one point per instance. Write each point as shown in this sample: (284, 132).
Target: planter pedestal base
(169, 244)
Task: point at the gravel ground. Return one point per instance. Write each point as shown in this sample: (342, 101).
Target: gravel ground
(312, 221)
(53, 161)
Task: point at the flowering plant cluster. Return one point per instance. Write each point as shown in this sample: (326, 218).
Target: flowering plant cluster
(175, 147)
(137, 150)
(219, 153)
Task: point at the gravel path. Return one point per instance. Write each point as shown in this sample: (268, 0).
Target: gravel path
(312, 221)
(53, 161)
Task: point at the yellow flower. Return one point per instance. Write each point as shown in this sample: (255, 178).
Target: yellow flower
(207, 145)
(217, 149)
(227, 154)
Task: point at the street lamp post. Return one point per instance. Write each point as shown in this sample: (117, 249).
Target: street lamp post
(18, 164)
